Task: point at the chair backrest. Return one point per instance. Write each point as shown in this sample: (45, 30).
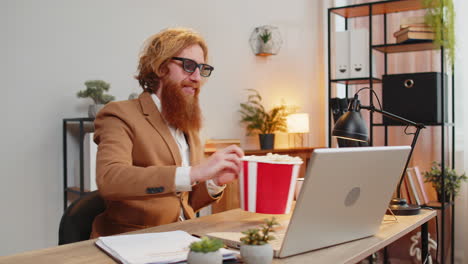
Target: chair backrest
(76, 223)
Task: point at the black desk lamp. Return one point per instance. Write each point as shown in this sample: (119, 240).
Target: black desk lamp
(351, 126)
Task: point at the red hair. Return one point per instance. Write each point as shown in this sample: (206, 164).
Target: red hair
(158, 51)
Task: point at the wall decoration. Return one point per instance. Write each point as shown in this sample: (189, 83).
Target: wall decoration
(265, 40)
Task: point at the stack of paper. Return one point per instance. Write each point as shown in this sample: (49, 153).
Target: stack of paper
(166, 247)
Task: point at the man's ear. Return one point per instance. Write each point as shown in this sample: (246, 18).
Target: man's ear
(163, 70)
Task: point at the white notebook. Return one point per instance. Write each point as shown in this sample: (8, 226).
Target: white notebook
(164, 247)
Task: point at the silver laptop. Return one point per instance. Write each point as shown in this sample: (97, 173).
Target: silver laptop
(344, 197)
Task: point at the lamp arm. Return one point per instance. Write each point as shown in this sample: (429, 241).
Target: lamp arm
(418, 126)
(415, 138)
(393, 116)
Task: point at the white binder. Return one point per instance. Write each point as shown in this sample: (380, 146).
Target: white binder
(342, 55)
(359, 54)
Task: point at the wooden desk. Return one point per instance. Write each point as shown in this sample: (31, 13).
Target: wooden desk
(351, 252)
(230, 199)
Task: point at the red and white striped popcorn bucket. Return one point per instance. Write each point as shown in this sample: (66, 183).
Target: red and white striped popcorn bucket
(267, 187)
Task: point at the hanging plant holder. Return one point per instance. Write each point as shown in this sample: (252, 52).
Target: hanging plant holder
(265, 40)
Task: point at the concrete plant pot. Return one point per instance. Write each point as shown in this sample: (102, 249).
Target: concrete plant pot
(254, 254)
(205, 258)
(94, 109)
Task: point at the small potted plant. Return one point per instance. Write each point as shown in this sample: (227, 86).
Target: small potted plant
(95, 90)
(257, 119)
(255, 248)
(452, 181)
(266, 46)
(205, 251)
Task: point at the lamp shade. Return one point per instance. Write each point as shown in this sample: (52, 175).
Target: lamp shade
(298, 123)
(351, 126)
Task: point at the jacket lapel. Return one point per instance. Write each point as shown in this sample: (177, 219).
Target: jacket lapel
(194, 148)
(155, 118)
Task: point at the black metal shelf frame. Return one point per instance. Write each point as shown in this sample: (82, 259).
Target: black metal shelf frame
(382, 8)
(66, 189)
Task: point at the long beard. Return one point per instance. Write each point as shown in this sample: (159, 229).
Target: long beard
(180, 110)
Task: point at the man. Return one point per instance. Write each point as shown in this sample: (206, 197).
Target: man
(149, 162)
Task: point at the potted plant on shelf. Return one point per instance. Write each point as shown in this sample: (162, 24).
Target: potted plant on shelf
(265, 122)
(452, 181)
(205, 251)
(95, 90)
(266, 45)
(255, 248)
(440, 15)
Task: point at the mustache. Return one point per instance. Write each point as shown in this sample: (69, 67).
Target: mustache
(195, 85)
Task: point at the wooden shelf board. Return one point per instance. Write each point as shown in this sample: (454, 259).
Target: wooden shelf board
(356, 81)
(378, 8)
(406, 47)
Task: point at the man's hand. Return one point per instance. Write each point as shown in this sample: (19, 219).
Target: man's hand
(223, 166)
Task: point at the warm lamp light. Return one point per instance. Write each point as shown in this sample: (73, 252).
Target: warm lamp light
(298, 124)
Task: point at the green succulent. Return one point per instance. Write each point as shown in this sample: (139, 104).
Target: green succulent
(95, 90)
(265, 36)
(260, 236)
(452, 180)
(206, 245)
(440, 15)
(254, 115)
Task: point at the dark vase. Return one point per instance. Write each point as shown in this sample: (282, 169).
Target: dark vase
(447, 197)
(267, 141)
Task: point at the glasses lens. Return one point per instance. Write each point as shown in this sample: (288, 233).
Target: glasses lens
(205, 70)
(190, 65)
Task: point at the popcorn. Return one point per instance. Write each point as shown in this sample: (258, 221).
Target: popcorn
(274, 158)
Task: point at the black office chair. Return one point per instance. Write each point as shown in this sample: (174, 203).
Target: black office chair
(76, 223)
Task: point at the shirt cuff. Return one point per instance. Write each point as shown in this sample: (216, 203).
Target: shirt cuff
(214, 189)
(182, 179)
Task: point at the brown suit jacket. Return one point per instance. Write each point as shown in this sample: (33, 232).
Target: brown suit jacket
(135, 169)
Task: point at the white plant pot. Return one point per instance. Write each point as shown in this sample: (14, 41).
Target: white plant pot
(253, 254)
(266, 48)
(94, 109)
(205, 258)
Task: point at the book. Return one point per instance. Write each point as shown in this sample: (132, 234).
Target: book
(164, 247)
(415, 36)
(420, 181)
(404, 191)
(412, 186)
(422, 25)
(412, 29)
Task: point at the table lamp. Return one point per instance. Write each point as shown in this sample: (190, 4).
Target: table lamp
(298, 123)
(351, 126)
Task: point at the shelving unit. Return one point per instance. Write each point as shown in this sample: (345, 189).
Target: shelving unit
(76, 190)
(383, 8)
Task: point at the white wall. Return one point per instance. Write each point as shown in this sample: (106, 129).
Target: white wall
(49, 48)
(461, 164)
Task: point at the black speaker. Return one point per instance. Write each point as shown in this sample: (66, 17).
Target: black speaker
(414, 96)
